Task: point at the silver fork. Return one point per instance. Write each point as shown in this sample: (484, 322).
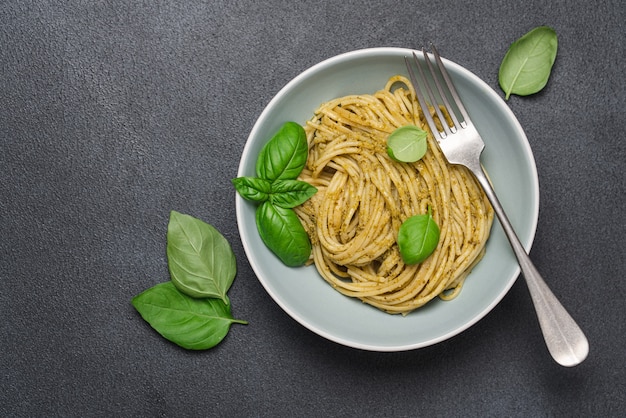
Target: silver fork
(462, 144)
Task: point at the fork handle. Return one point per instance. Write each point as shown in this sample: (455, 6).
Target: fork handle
(565, 340)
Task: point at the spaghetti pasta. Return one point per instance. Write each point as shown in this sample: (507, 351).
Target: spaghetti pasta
(364, 196)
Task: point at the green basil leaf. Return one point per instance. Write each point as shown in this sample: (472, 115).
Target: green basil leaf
(283, 233)
(407, 144)
(200, 259)
(528, 62)
(253, 188)
(291, 193)
(194, 324)
(284, 156)
(418, 237)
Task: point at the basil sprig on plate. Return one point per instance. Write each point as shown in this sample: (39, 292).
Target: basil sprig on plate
(527, 64)
(278, 191)
(192, 310)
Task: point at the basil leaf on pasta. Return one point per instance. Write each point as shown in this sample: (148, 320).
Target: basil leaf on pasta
(407, 144)
(284, 156)
(418, 237)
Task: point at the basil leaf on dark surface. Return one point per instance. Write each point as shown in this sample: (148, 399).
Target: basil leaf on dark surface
(418, 237)
(527, 64)
(284, 156)
(281, 231)
(254, 189)
(194, 324)
(291, 193)
(200, 259)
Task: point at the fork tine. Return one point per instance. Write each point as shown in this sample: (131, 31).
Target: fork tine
(420, 97)
(426, 95)
(431, 95)
(450, 85)
(442, 93)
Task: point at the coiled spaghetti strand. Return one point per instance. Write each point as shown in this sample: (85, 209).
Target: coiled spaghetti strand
(364, 196)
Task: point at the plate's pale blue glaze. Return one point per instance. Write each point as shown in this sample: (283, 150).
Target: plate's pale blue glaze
(304, 295)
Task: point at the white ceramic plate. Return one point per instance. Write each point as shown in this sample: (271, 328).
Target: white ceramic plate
(304, 295)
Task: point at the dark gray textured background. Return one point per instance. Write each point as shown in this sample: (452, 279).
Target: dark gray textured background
(113, 113)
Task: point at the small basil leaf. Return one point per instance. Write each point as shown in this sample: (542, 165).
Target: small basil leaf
(407, 144)
(200, 259)
(253, 188)
(291, 193)
(527, 64)
(284, 156)
(194, 324)
(417, 238)
(281, 231)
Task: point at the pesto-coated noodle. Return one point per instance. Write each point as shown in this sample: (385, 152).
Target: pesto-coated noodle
(363, 197)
